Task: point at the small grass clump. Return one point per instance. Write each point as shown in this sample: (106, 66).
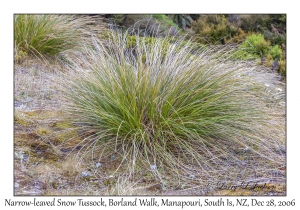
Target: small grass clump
(169, 109)
(43, 131)
(47, 35)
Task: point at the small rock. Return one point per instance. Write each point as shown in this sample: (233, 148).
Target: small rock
(17, 185)
(27, 100)
(263, 59)
(153, 167)
(85, 174)
(78, 147)
(192, 176)
(275, 66)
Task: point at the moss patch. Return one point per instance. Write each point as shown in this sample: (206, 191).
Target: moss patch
(66, 135)
(43, 131)
(62, 125)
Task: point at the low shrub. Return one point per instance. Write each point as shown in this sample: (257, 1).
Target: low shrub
(164, 19)
(272, 26)
(269, 61)
(256, 44)
(183, 20)
(20, 56)
(275, 52)
(239, 37)
(157, 24)
(275, 39)
(255, 22)
(215, 29)
(254, 47)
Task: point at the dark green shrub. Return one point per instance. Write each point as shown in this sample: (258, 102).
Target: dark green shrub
(273, 26)
(164, 19)
(255, 22)
(274, 38)
(183, 20)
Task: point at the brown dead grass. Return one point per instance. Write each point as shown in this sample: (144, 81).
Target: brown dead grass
(47, 166)
(46, 161)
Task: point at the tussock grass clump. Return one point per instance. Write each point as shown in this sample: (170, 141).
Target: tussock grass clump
(48, 35)
(169, 109)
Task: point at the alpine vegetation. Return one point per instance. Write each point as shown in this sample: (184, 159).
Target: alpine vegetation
(170, 107)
